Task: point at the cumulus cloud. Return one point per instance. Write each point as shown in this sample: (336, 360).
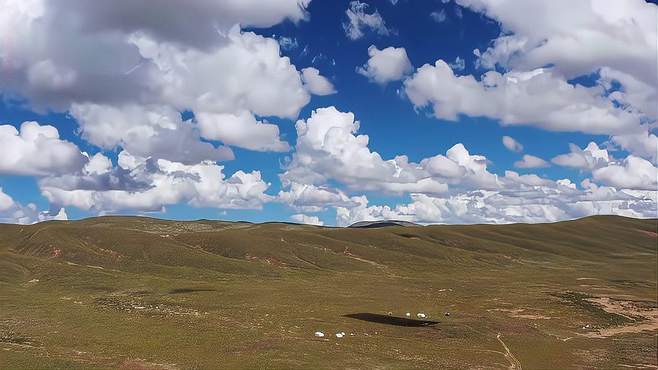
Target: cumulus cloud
(144, 184)
(511, 144)
(643, 144)
(386, 65)
(15, 213)
(254, 76)
(461, 169)
(155, 130)
(328, 148)
(98, 164)
(530, 161)
(572, 44)
(305, 219)
(631, 173)
(538, 98)
(311, 198)
(589, 158)
(37, 150)
(358, 20)
(621, 104)
(145, 64)
(550, 202)
(363, 212)
(164, 22)
(147, 67)
(635, 94)
(455, 187)
(316, 84)
(242, 130)
(58, 70)
(626, 67)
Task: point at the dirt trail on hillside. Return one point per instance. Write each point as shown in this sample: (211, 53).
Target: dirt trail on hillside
(514, 362)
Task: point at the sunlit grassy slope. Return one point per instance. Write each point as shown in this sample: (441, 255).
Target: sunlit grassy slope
(133, 292)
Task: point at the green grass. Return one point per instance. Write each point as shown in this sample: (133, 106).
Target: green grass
(136, 292)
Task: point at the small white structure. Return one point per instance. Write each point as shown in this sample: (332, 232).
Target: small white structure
(319, 334)
(408, 314)
(340, 335)
(421, 315)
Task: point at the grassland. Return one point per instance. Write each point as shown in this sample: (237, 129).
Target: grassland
(140, 293)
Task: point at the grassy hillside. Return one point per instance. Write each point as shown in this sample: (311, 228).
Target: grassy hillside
(133, 292)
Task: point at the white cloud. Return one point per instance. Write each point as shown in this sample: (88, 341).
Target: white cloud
(572, 46)
(254, 76)
(550, 202)
(316, 84)
(363, 212)
(164, 22)
(305, 219)
(623, 99)
(37, 150)
(589, 158)
(242, 130)
(311, 198)
(149, 61)
(156, 131)
(530, 161)
(538, 98)
(635, 94)
(150, 185)
(386, 65)
(98, 165)
(15, 213)
(45, 75)
(466, 170)
(511, 144)
(146, 68)
(470, 193)
(572, 43)
(632, 173)
(255, 79)
(328, 148)
(358, 20)
(642, 144)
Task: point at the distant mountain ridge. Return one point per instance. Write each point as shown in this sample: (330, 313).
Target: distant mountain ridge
(381, 223)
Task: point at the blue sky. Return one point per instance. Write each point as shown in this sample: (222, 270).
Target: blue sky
(560, 84)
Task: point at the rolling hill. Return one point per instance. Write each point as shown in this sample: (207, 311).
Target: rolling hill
(140, 293)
